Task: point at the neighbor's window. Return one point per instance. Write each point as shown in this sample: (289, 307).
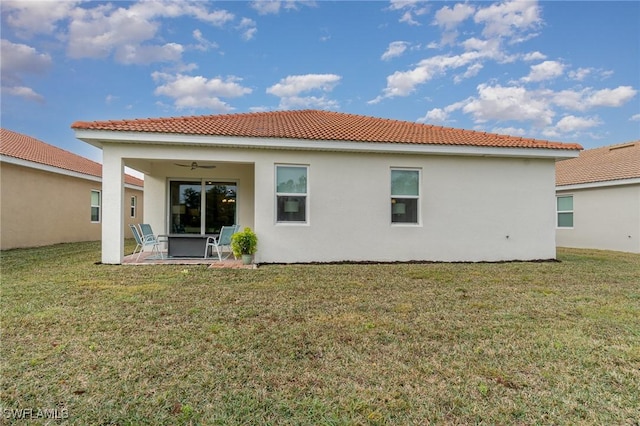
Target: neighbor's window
(96, 201)
(564, 209)
(291, 193)
(134, 204)
(405, 195)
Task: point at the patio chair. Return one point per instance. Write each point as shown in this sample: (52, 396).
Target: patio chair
(149, 238)
(142, 242)
(223, 240)
(136, 236)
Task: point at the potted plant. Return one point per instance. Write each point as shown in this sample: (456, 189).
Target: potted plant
(244, 244)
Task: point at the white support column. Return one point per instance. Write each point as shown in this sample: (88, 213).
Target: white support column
(112, 203)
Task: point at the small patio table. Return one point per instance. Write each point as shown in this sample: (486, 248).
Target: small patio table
(187, 245)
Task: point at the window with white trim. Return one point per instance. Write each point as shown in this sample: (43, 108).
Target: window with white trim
(405, 195)
(291, 193)
(564, 210)
(96, 203)
(134, 205)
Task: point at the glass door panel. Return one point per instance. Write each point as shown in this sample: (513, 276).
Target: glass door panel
(185, 207)
(220, 206)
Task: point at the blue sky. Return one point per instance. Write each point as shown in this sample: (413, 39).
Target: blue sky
(564, 71)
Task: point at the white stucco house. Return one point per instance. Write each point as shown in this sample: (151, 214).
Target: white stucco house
(598, 199)
(320, 186)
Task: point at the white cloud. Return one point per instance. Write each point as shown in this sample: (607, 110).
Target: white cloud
(512, 131)
(266, 7)
(449, 18)
(248, 28)
(95, 33)
(534, 56)
(17, 60)
(29, 18)
(409, 9)
(509, 103)
(471, 71)
(589, 98)
(104, 29)
(611, 97)
(305, 102)
(571, 123)
(606, 74)
(23, 92)
(198, 91)
(441, 115)
(396, 48)
(546, 70)
(142, 54)
(290, 88)
(403, 83)
(517, 103)
(293, 85)
(509, 18)
(436, 115)
(580, 74)
(272, 7)
(203, 43)
(568, 99)
(635, 117)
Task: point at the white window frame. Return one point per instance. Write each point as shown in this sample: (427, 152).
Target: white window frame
(133, 206)
(99, 206)
(572, 211)
(418, 197)
(306, 196)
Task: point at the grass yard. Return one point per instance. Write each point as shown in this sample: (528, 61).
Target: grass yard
(511, 343)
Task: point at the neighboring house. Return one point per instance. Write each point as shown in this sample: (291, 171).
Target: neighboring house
(320, 186)
(49, 195)
(598, 199)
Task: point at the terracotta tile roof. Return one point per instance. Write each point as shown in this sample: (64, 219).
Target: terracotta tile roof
(17, 145)
(319, 125)
(613, 162)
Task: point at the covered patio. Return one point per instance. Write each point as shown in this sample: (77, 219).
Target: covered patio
(190, 189)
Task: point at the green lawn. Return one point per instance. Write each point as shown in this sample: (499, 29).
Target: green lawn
(509, 343)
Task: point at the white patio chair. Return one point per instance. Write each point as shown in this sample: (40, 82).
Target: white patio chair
(223, 240)
(142, 242)
(147, 235)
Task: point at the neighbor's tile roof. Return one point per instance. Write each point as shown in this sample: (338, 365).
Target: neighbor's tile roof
(319, 125)
(608, 163)
(17, 145)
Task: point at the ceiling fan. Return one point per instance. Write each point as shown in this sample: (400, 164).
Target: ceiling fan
(194, 165)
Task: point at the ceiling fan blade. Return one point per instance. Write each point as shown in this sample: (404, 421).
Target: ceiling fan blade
(194, 165)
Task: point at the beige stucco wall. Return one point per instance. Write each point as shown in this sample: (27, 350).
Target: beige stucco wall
(40, 208)
(472, 208)
(606, 218)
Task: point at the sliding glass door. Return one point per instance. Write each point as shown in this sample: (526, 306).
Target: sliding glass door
(191, 213)
(220, 206)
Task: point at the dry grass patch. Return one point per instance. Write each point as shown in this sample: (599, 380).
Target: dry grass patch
(512, 343)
